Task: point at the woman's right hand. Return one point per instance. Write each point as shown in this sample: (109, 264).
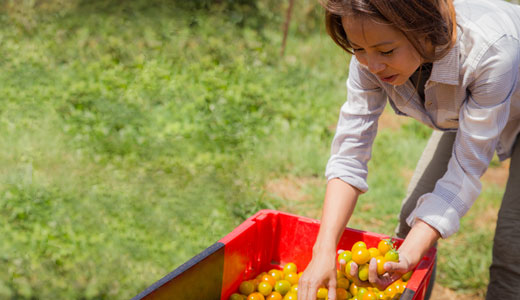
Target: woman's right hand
(321, 272)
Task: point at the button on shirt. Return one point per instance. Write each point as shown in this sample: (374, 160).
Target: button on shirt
(473, 90)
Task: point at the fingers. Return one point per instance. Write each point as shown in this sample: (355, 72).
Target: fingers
(307, 290)
(372, 271)
(332, 289)
(354, 275)
(342, 264)
(354, 270)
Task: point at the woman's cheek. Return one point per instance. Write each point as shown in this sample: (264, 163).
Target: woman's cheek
(361, 58)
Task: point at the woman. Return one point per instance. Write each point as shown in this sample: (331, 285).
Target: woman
(453, 66)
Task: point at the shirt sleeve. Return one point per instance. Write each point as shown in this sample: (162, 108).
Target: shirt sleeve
(357, 127)
(482, 118)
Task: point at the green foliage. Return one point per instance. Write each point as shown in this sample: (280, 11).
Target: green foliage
(133, 138)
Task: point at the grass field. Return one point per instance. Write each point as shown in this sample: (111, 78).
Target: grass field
(134, 134)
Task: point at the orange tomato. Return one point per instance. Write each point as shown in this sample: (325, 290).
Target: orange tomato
(269, 279)
(343, 283)
(274, 296)
(342, 294)
(361, 292)
(255, 296)
(353, 289)
(369, 296)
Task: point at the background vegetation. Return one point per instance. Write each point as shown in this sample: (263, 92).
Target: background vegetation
(134, 134)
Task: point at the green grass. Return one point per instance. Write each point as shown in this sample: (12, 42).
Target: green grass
(136, 134)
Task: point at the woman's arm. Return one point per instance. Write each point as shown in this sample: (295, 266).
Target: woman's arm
(340, 200)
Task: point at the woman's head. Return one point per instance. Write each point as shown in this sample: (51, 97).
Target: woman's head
(426, 30)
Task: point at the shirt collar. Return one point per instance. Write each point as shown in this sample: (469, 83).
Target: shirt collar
(446, 69)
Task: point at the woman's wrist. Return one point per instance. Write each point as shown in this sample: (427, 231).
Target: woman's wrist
(419, 240)
(320, 247)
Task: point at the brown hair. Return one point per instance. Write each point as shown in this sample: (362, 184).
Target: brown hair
(419, 20)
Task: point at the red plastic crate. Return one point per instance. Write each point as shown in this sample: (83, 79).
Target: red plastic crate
(267, 240)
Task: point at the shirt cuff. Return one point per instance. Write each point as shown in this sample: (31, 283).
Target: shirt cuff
(358, 183)
(436, 212)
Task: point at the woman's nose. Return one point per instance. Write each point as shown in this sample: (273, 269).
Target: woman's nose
(375, 66)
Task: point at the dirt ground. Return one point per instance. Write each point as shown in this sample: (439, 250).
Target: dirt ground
(441, 293)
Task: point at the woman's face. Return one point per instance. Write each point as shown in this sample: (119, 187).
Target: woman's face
(383, 49)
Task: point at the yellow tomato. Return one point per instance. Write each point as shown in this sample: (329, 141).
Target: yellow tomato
(353, 289)
(292, 277)
(384, 246)
(265, 288)
(277, 274)
(345, 255)
(358, 245)
(246, 287)
(361, 256)
(363, 272)
(282, 286)
(374, 252)
(290, 296)
(290, 268)
(380, 260)
(322, 293)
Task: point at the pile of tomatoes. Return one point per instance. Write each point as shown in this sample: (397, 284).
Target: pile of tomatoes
(273, 285)
(361, 255)
(283, 284)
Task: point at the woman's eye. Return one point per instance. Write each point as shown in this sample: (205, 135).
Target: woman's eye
(357, 49)
(387, 52)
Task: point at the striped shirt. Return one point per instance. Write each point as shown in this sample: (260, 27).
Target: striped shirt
(474, 90)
